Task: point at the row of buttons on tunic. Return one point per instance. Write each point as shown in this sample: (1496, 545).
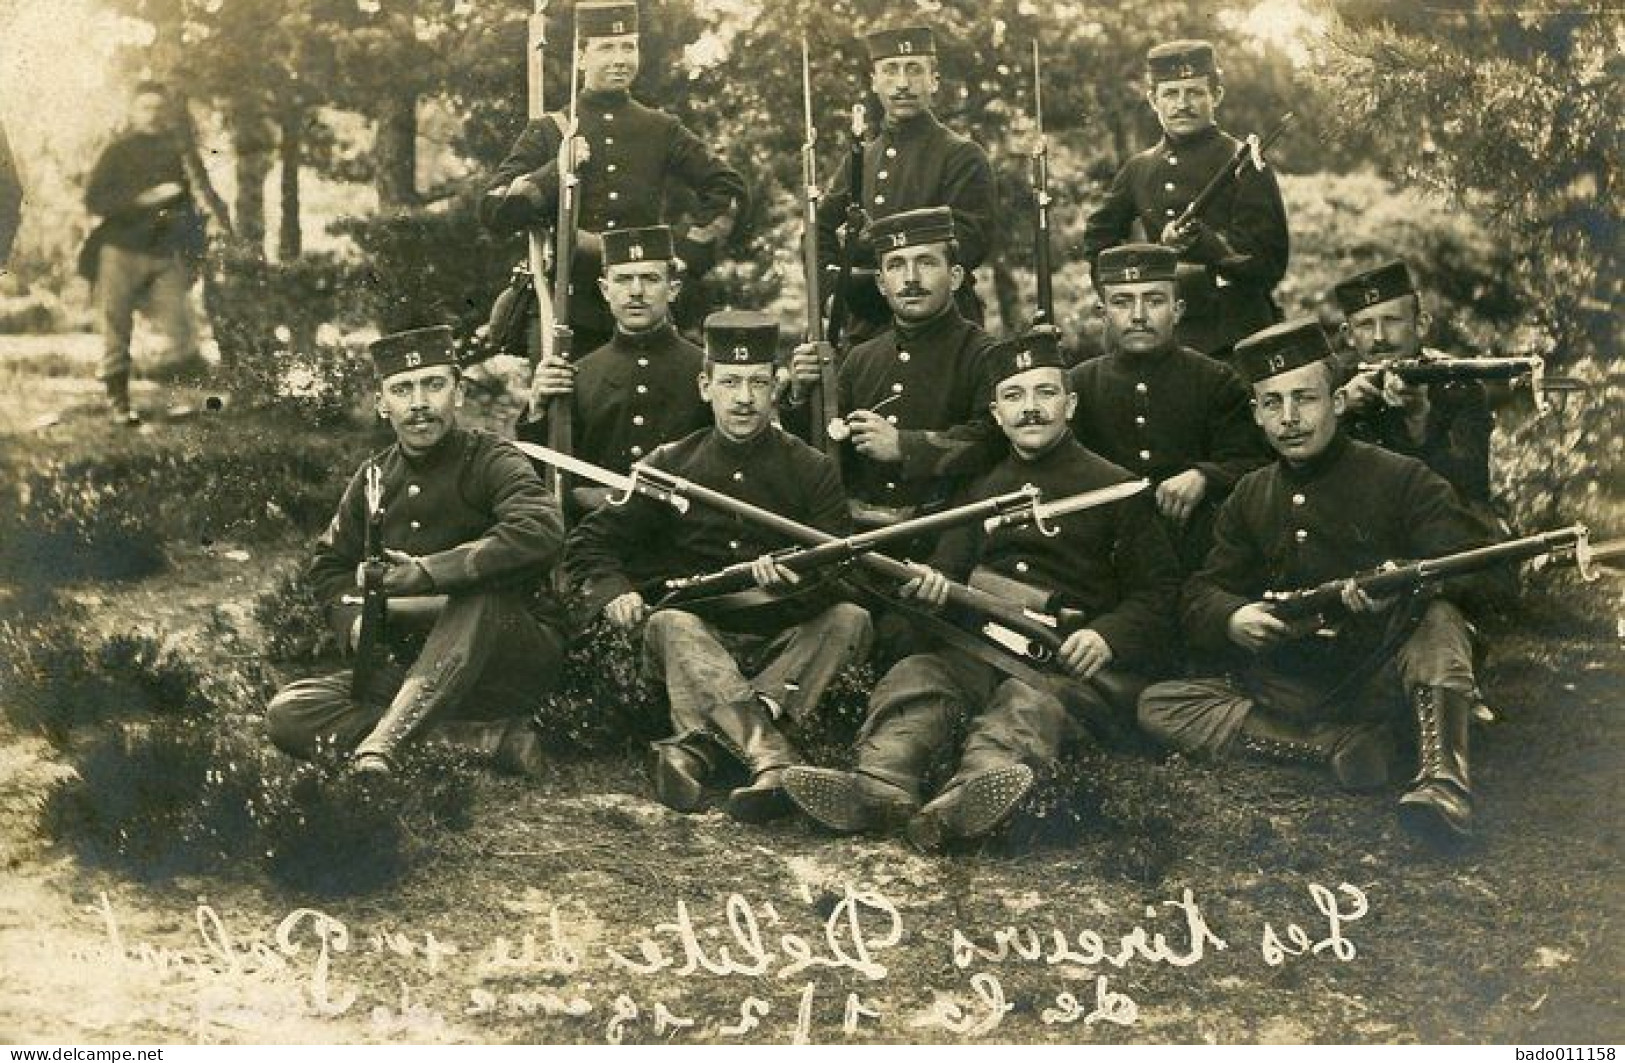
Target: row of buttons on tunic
(609, 142)
(1302, 534)
(642, 389)
(880, 199)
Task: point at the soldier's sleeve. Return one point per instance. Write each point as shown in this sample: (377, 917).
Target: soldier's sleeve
(960, 548)
(970, 190)
(1142, 625)
(535, 153)
(1109, 224)
(598, 552)
(1235, 562)
(965, 449)
(527, 533)
(1439, 523)
(826, 499)
(718, 188)
(112, 186)
(1457, 445)
(831, 214)
(1255, 244)
(1235, 445)
(339, 549)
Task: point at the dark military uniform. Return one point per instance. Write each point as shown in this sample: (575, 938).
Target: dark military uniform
(487, 533)
(1455, 441)
(1227, 296)
(633, 394)
(637, 154)
(934, 379)
(1161, 414)
(910, 165)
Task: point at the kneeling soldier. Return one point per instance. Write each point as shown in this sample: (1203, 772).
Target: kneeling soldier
(1110, 570)
(731, 673)
(1328, 508)
(469, 534)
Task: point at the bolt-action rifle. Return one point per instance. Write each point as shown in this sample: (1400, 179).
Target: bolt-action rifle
(826, 409)
(1041, 203)
(369, 643)
(840, 307)
(1249, 153)
(1444, 370)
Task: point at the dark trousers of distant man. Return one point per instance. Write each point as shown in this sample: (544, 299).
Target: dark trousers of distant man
(486, 658)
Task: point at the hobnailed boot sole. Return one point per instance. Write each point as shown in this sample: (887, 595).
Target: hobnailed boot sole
(1437, 813)
(972, 809)
(841, 801)
(761, 801)
(675, 786)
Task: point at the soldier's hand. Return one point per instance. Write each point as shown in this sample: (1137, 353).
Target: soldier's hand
(627, 611)
(930, 586)
(1178, 496)
(1180, 237)
(580, 152)
(1084, 653)
(807, 364)
(1412, 398)
(406, 575)
(874, 436)
(770, 575)
(1363, 392)
(1356, 600)
(1254, 628)
(554, 376)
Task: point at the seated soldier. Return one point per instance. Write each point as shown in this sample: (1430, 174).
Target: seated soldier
(1328, 508)
(636, 391)
(731, 674)
(1109, 570)
(469, 534)
(1446, 426)
(1159, 409)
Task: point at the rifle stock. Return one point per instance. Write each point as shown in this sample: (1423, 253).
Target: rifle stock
(840, 305)
(374, 604)
(825, 402)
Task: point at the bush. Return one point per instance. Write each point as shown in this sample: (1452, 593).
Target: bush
(603, 702)
(293, 622)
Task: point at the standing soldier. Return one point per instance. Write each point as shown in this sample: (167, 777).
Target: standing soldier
(1328, 508)
(1233, 256)
(1446, 426)
(143, 254)
(1176, 417)
(469, 534)
(629, 157)
(731, 674)
(1110, 569)
(917, 394)
(636, 391)
(915, 162)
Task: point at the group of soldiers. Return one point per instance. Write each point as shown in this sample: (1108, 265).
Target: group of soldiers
(1219, 455)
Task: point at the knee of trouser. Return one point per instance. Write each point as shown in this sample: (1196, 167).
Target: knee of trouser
(1160, 707)
(851, 624)
(1439, 652)
(285, 724)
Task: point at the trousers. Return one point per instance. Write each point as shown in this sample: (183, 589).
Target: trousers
(159, 285)
(1202, 716)
(485, 658)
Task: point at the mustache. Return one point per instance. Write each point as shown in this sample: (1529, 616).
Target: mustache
(1034, 418)
(911, 290)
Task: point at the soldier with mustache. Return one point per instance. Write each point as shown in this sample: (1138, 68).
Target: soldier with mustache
(1110, 568)
(631, 158)
(1232, 257)
(914, 162)
(1447, 426)
(471, 535)
(1160, 409)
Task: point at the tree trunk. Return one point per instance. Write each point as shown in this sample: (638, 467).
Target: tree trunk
(395, 154)
(1008, 294)
(251, 143)
(290, 150)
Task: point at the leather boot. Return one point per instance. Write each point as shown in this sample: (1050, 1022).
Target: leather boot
(849, 801)
(972, 805)
(1357, 754)
(1438, 804)
(118, 400)
(679, 768)
(510, 746)
(745, 730)
(418, 697)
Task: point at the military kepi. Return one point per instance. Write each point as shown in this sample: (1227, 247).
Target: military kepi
(1132, 263)
(606, 18)
(891, 44)
(1035, 350)
(741, 337)
(1177, 60)
(401, 351)
(910, 228)
(1388, 281)
(649, 244)
(1281, 349)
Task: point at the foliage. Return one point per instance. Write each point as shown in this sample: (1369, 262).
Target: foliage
(603, 702)
(1514, 117)
(293, 623)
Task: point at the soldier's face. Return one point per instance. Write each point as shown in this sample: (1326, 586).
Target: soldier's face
(1298, 411)
(609, 62)
(421, 405)
(918, 282)
(147, 113)
(741, 398)
(1388, 330)
(1033, 408)
(639, 294)
(905, 84)
(1140, 317)
(1185, 106)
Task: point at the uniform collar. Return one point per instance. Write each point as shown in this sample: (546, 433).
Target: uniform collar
(738, 449)
(1065, 444)
(655, 339)
(607, 98)
(436, 455)
(1195, 140)
(943, 324)
(912, 128)
(1317, 466)
(1148, 360)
